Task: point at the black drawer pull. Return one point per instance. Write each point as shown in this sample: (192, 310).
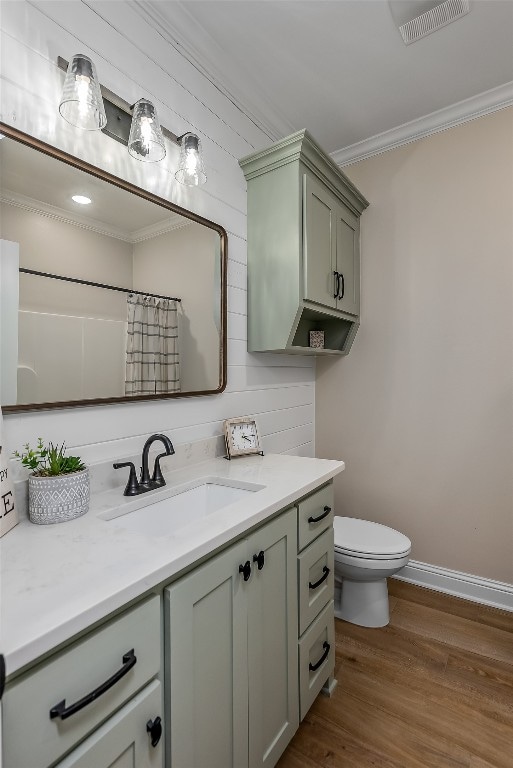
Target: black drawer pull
(60, 710)
(326, 512)
(326, 646)
(337, 284)
(325, 574)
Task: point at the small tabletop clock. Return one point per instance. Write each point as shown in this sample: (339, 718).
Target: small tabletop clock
(241, 437)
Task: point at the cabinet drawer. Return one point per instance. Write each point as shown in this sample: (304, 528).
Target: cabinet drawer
(123, 742)
(315, 575)
(69, 677)
(315, 514)
(316, 645)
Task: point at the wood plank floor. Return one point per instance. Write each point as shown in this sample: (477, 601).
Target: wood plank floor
(434, 689)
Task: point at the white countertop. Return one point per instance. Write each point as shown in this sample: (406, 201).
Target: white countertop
(56, 580)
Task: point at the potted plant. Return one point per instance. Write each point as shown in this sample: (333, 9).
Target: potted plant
(58, 484)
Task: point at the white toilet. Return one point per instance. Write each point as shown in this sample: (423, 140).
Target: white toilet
(365, 555)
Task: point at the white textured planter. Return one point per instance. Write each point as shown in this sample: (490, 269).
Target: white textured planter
(59, 498)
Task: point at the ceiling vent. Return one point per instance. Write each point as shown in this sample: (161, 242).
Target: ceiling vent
(435, 18)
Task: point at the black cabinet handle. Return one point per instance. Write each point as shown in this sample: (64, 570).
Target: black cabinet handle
(259, 559)
(154, 728)
(60, 709)
(341, 295)
(325, 574)
(337, 284)
(326, 646)
(245, 570)
(326, 512)
(2, 674)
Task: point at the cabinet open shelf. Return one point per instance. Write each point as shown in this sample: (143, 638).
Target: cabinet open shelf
(339, 332)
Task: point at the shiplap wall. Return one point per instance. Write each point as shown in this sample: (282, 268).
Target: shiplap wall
(133, 60)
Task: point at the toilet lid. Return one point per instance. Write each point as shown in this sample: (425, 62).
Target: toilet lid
(365, 539)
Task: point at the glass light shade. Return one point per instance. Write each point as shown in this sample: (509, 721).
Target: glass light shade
(146, 141)
(81, 102)
(191, 171)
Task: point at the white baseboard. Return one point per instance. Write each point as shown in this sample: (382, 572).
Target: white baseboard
(475, 588)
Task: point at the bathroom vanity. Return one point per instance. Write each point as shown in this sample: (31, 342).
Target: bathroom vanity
(228, 614)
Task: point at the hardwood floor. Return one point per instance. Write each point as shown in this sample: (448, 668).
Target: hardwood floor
(433, 689)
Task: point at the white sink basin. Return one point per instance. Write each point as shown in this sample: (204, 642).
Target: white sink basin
(183, 506)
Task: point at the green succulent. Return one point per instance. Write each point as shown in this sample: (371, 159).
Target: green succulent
(48, 461)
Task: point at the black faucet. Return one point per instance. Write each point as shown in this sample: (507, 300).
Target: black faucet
(134, 486)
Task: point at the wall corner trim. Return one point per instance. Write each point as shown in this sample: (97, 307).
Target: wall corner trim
(448, 117)
(477, 589)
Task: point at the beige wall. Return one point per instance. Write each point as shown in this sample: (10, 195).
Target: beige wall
(50, 245)
(71, 338)
(422, 408)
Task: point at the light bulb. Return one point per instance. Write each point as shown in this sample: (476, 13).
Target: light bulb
(82, 88)
(146, 132)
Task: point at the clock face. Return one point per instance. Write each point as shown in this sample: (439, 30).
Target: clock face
(241, 436)
(244, 436)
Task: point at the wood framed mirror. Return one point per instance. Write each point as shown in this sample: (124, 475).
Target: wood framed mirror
(118, 300)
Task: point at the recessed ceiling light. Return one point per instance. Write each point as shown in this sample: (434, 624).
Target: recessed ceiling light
(81, 199)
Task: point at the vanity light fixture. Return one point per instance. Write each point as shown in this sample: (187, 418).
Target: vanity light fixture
(81, 199)
(146, 141)
(81, 102)
(137, 125)
(191, 171)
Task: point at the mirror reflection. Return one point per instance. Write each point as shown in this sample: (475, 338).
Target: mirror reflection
(104, 294)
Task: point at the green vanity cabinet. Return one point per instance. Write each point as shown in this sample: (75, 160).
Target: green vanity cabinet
(303, 249)
(215, 668)
(231, 659)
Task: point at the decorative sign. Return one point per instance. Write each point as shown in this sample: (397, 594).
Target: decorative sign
(8, 513)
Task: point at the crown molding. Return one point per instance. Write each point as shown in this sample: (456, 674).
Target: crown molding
(172, 222)
(180, 35)
(59, 214)
(448, 117)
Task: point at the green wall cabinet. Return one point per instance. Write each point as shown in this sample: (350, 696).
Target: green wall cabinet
(303, 249)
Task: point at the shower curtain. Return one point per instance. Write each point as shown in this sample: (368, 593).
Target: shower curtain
(152, 357)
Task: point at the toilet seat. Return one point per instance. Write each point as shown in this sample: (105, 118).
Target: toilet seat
(366, 540)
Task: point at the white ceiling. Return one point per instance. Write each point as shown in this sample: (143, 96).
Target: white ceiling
(339, 67)
(40, 182)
